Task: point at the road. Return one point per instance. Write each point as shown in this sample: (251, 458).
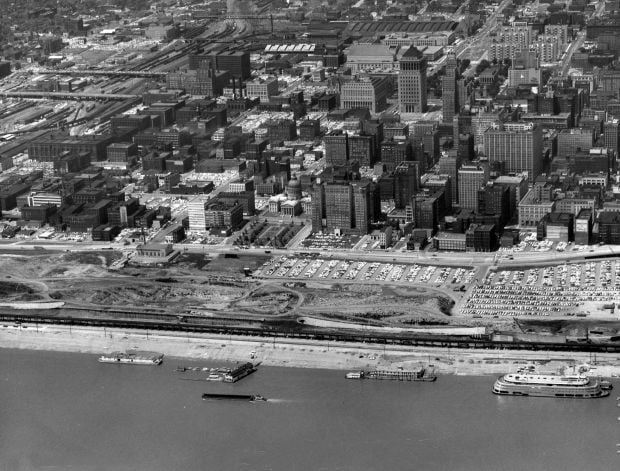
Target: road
(423, 257)
(574, 46)
(479, 40)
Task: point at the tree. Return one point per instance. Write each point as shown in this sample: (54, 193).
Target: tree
(482, 66)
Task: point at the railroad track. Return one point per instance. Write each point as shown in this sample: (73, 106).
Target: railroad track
(189, 324)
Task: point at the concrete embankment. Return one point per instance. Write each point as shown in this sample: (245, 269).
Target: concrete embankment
(297, 352)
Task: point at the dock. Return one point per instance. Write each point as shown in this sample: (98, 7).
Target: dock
(423, 374)
(226, 375)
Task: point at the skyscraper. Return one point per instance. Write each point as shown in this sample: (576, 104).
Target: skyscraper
(449, 164)
(471, 179)
(449, 89)
(611, 134)
(336, 148)
(363, 206)
(340, 214)
(406, 183)
(344, 206)
(318, 207)
(412, 82)
(393, 152)
(519, 149)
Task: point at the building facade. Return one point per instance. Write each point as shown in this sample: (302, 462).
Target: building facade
(412, 82)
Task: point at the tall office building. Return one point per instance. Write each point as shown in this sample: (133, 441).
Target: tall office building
(412, 82)
(471, 179)
(345, 207)
(449, 164)
(235, 62)
(406, 183)
(196, 214)
(366, 92)
(363, 206)
(520, 150)
(449, 89)
(318, 207)
(339, 207)
(362, 150)
(394, 152)
(575, 140)
(336, 148)
(611, 133)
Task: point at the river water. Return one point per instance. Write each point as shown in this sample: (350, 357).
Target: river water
(66, 411)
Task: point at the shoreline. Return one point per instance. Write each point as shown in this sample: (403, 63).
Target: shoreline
(297, 353)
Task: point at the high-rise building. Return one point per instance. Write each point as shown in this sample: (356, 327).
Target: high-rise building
(471, 179)
(344, 207)
(441, 183)
(363, 206)
(559, 30)
(366, 92)
(339, 207)
(520, 150)
(485, 120)
(196, 214)
(494, 200)
(611, 133)
(406, 183)
(235, 62)
(449, 89)
(318, 207)
(571, 141)
(362, 150)
(336, 148)
(517, 188)
(394, 152)
(449, 164)
(412, 82)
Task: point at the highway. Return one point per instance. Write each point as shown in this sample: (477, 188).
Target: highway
(458, 259)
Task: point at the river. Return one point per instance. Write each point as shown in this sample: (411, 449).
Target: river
(66, 411)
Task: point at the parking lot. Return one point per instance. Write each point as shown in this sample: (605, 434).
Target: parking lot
(336, 270)
(574, 289)
(330, 242)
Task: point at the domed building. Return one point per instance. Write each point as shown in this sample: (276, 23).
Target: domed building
(293, 188)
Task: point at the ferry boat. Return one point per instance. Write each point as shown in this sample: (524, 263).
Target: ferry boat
(133, 357)
(516, 384)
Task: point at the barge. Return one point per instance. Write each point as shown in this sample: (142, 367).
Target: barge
(233, 397)
(226, 375)
(422, 374)
(132, 357)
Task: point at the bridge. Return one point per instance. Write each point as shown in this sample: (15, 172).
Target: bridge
(69, 96)
(112, 73)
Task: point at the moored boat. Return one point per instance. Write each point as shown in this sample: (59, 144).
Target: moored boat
(421, 374)
(550, 385)
(355, 375)
(133, 357)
